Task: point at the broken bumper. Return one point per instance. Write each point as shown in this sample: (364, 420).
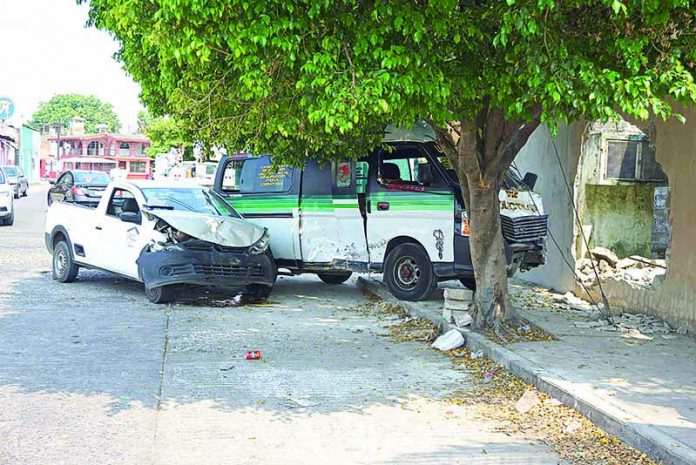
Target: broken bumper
(179, 265)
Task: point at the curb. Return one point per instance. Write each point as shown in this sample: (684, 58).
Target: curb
(657, 445)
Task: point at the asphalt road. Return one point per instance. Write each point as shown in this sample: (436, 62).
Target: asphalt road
(92, 373)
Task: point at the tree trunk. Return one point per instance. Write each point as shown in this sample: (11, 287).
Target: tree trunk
(491, 301)
(481, 150)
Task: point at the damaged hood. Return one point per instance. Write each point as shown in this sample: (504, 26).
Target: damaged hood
(221, 230)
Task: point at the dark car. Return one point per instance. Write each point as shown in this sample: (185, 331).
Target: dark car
(79, 186)
(19, 182)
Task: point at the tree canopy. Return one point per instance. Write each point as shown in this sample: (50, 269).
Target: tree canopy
(60, 108)
(164, 133)
(288, 77)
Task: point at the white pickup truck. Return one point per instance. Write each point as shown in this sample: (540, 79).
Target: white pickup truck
(163, 234)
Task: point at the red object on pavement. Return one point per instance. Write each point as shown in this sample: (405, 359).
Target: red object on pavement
(253, 355)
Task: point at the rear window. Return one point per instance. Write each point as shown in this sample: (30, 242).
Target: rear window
(11, 170)
(91, 177)
(256, 175)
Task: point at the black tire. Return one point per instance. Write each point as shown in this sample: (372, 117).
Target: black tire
(469, 283)
(26, 192)
(64, 267)
(408, 272)
(8, 221)
(160, 295)
(258, 291)
(16, 194)
(335, 278)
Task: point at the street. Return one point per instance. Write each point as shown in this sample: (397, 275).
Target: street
(91, 372)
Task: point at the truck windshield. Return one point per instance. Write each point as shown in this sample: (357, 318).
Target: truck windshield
(11, 171)
(193, 199)
(91, 177)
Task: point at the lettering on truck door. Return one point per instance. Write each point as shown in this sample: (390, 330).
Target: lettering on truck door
(332, 233)
(267, 196)
(408, 200)
(119, 243)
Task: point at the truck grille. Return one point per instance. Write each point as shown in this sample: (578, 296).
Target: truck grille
(525, 228)
(203, 246)
(229, 271)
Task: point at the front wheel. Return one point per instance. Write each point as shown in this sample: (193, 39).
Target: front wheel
(64, 268)
(9, 220)
(335, 278)
(258, 291)
(408, 272)
(160, 295)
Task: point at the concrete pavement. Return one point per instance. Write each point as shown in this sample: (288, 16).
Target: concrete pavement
(91, 372)
(642, 391)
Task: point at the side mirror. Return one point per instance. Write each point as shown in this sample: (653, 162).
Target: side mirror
(51, 181)
(530, 180)
(425, 174)
(130, 217)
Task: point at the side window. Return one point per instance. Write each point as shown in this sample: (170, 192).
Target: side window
(343, 174)
(66, 180)
(258, 175)
(232, 175)
(407, 168)
(121, 200)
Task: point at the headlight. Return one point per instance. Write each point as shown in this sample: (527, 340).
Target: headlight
(261, 245)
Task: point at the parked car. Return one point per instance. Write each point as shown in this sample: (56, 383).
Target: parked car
(6, 199)
(397, 211)
(79, 186)
(19, 182)
(163, 234)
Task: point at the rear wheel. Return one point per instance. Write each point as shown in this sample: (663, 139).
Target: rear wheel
(9, 220)
(64, 268)
(160, 295)
(335, 278)
(408, 272)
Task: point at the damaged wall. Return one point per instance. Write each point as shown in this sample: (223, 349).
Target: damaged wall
(539, 156)
(671, 298)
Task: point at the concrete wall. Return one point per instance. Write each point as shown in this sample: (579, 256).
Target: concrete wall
(539, 156)
(674, 298)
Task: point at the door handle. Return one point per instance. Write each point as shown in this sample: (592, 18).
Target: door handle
(98, 228)
(382, 206)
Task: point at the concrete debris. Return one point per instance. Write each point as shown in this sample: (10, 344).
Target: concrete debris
(449, 341)
(459, 294)
(635, 270)
(572, 427)
(528, 401)
(635, 334)
(602, 254)
(462, 319)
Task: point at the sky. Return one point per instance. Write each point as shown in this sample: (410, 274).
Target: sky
(46, 49)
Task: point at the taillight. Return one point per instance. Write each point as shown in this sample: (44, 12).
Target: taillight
(465, 224)
(77, 191)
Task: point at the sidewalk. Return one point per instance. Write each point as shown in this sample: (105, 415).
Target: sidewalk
(643, 391)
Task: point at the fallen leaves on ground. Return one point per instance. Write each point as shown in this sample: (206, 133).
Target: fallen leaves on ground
(572, 435)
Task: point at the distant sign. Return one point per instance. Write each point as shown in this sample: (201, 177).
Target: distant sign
(6, 107)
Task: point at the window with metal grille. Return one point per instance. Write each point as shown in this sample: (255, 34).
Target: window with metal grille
(632, 160)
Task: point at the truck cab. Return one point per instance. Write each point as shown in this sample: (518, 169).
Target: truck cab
(398, 211)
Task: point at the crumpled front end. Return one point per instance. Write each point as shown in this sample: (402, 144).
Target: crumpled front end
(204, 263)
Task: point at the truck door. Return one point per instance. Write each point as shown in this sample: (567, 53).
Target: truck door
(408, 198)
(119, 243)
(332, 228)
(266, 195)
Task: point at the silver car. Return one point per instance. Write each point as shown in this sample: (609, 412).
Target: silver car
(19, 182)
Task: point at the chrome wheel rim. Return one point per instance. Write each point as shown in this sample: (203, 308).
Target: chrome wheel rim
(407, 273)
(60, 263)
